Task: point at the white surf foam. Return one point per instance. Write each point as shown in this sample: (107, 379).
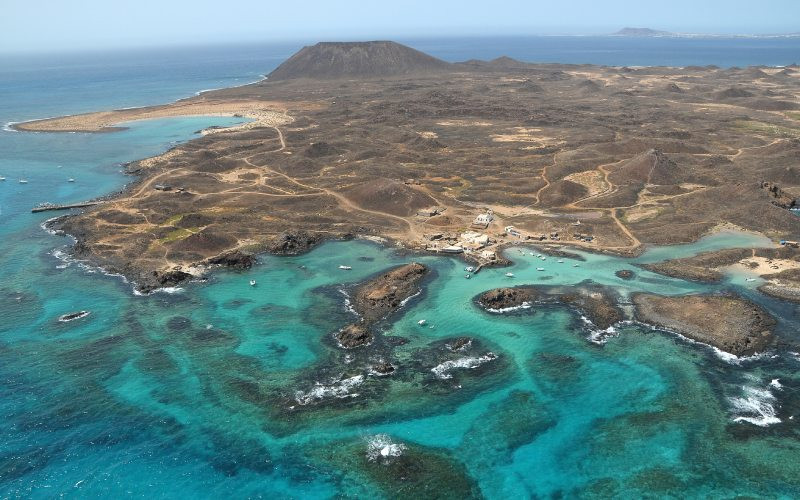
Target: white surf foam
(524, 305)
(755, 406)
(381, 447)
(336, 389)
(442, 370)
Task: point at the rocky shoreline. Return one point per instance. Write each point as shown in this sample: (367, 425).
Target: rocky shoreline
(727, 322)
(596, 303)
(377, 299)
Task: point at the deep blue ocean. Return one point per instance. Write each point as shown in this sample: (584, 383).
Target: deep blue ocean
(227, 390)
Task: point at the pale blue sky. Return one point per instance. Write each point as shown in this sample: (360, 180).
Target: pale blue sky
(57, 25)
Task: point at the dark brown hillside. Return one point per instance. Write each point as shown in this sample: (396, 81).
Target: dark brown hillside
(332, 60)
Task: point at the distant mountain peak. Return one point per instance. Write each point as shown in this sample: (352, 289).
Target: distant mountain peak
(375, 59)
(642, 32)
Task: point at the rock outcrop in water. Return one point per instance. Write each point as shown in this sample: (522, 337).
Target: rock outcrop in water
(594, 302)
(506, 298)
(332, 60)
(378, 298)
(727, 322)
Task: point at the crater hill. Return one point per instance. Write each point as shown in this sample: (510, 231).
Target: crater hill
(332, 60)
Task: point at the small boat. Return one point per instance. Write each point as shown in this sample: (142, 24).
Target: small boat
(467, 276)
(23, 181)
(540, 269)
(2, 178)
(421, 322)
(64, 318)
(70, 180)
(531, 253)
(576, 265)
(346, 268)
(509, 275)
(469, 269)
(750, 279)
(543, 257)
(252, 282)
(560, 261)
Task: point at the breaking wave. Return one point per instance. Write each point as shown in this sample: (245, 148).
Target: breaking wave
(381, 447)
(338, 389)
(442, 370)
(755, 406)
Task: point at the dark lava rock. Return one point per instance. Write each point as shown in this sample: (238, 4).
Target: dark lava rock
(503, 298)
(354, 335)
(594, 302)
(383, 368)
(460, 343)
(234, 260)
(293, 243)
(383, 295)
(625, 274)
(163, 279)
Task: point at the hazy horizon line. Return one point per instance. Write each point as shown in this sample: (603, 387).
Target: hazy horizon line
(186, 44)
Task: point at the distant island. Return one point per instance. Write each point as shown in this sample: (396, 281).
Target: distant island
(642, 32)
(649, 32)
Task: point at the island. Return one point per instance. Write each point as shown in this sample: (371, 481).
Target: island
(377, 140)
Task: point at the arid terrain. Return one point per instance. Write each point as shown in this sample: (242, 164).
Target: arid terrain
(605, 158)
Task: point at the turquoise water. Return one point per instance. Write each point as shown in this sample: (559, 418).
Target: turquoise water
(195, 393)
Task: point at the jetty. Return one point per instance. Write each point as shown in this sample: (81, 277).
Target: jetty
(47, 207)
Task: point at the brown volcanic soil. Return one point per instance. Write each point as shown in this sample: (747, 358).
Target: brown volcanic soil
(635, 161)
(729, 323)
(389, 196)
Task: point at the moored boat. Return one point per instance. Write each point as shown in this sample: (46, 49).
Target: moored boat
(346, 268)
(64, 318)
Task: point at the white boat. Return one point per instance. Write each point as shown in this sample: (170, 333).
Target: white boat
(540, 269)
(71, 180)
(346, 268)
(467, 276)
(469, 269)
(576, 265)
(421, 322)
(750, 279)
(543, 257)
(2, 178)
(531, 253)
(510, 275)
(252, 282)
(23, 181)
(560, 261)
